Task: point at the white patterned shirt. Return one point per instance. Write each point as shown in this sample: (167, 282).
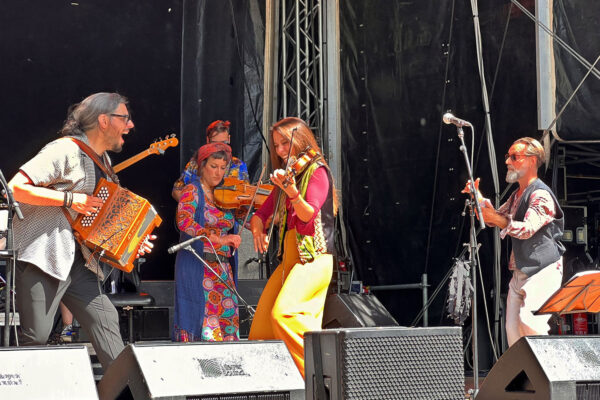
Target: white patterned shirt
(44, 238)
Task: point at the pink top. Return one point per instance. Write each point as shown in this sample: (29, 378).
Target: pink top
(316, 194)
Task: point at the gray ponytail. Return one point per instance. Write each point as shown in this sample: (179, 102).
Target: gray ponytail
(83, 116)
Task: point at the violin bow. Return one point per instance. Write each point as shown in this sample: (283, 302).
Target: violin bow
(276, 208)
(252, 202)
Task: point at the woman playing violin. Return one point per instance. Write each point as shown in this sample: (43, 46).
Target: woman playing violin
(205, 307)
(216, 132)
(293, 299)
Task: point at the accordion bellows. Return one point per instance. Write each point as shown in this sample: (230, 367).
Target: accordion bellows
(118, 229)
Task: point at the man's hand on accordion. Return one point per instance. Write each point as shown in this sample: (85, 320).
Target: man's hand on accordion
(84, 204)
(146, 246)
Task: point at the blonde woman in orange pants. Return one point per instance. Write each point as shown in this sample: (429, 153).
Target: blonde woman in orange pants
(293, 299)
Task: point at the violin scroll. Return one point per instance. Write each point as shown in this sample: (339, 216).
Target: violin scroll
(297, 165)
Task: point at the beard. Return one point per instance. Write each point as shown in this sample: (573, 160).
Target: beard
(117, 144)
(513, 176)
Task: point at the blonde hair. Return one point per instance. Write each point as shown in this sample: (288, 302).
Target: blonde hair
(534, 148)
(303, 138)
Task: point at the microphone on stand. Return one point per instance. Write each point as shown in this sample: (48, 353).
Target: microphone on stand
(177, 247)
(451, 119)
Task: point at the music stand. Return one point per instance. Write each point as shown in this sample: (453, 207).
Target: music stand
(580, 294)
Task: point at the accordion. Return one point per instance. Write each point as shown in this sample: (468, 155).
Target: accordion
(118, 228)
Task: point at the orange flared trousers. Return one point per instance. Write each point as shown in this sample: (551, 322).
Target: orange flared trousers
(293, 299)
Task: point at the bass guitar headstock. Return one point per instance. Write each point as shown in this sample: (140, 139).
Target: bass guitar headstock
(160, 146)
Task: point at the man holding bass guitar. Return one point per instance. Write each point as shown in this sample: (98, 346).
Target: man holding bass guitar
(54, 186)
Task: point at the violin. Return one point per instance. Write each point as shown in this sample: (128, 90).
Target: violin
(297, 165)
(235, 192)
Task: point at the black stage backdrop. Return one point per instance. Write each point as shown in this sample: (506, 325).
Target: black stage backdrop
(182, 64)
(400, 162)
(576, 22)
(222, 75)
(55, 53)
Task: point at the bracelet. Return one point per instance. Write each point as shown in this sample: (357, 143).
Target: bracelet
(68, 200)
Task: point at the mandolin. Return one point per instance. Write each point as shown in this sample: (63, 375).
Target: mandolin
(158, 147)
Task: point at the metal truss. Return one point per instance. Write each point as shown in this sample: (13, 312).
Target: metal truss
(579, 165)
(301, 61)
(302, 70)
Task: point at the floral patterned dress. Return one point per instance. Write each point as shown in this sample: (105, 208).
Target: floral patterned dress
(205, 308)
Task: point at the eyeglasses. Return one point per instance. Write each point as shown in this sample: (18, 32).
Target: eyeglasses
(126, 116)
(515, 157)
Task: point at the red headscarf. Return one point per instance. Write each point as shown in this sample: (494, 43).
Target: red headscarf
(209, 149)
(217, 125)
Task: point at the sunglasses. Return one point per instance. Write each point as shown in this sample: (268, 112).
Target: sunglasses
(515, 157)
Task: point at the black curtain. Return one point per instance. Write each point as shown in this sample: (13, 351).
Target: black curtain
(576, 22)
(55, 54)
(404, 64)
(222, 75)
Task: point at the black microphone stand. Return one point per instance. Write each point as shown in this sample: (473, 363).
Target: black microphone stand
(472, 260)
(10, 254)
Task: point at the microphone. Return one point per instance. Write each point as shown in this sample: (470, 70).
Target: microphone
(177, 247)
(451, 119)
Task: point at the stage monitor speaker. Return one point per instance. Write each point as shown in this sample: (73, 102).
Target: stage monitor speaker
(349, 310)
(384, 363)
(205, 370)
(60, 372)
(546, 368)
(250, 290)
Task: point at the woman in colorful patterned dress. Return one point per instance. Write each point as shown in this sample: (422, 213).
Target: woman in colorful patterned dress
(205, 308)
(216, 132)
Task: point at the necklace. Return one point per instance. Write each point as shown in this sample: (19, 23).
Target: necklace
(208, 192)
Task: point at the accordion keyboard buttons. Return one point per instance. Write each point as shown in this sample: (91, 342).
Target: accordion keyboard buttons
(88, 220)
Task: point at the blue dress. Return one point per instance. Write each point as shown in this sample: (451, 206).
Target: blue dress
(205, 309)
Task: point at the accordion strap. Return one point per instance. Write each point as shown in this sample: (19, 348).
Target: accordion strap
(105, 167)
(72, 222)
(69, 218)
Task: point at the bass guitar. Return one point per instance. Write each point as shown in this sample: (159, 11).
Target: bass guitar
(158, 147)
